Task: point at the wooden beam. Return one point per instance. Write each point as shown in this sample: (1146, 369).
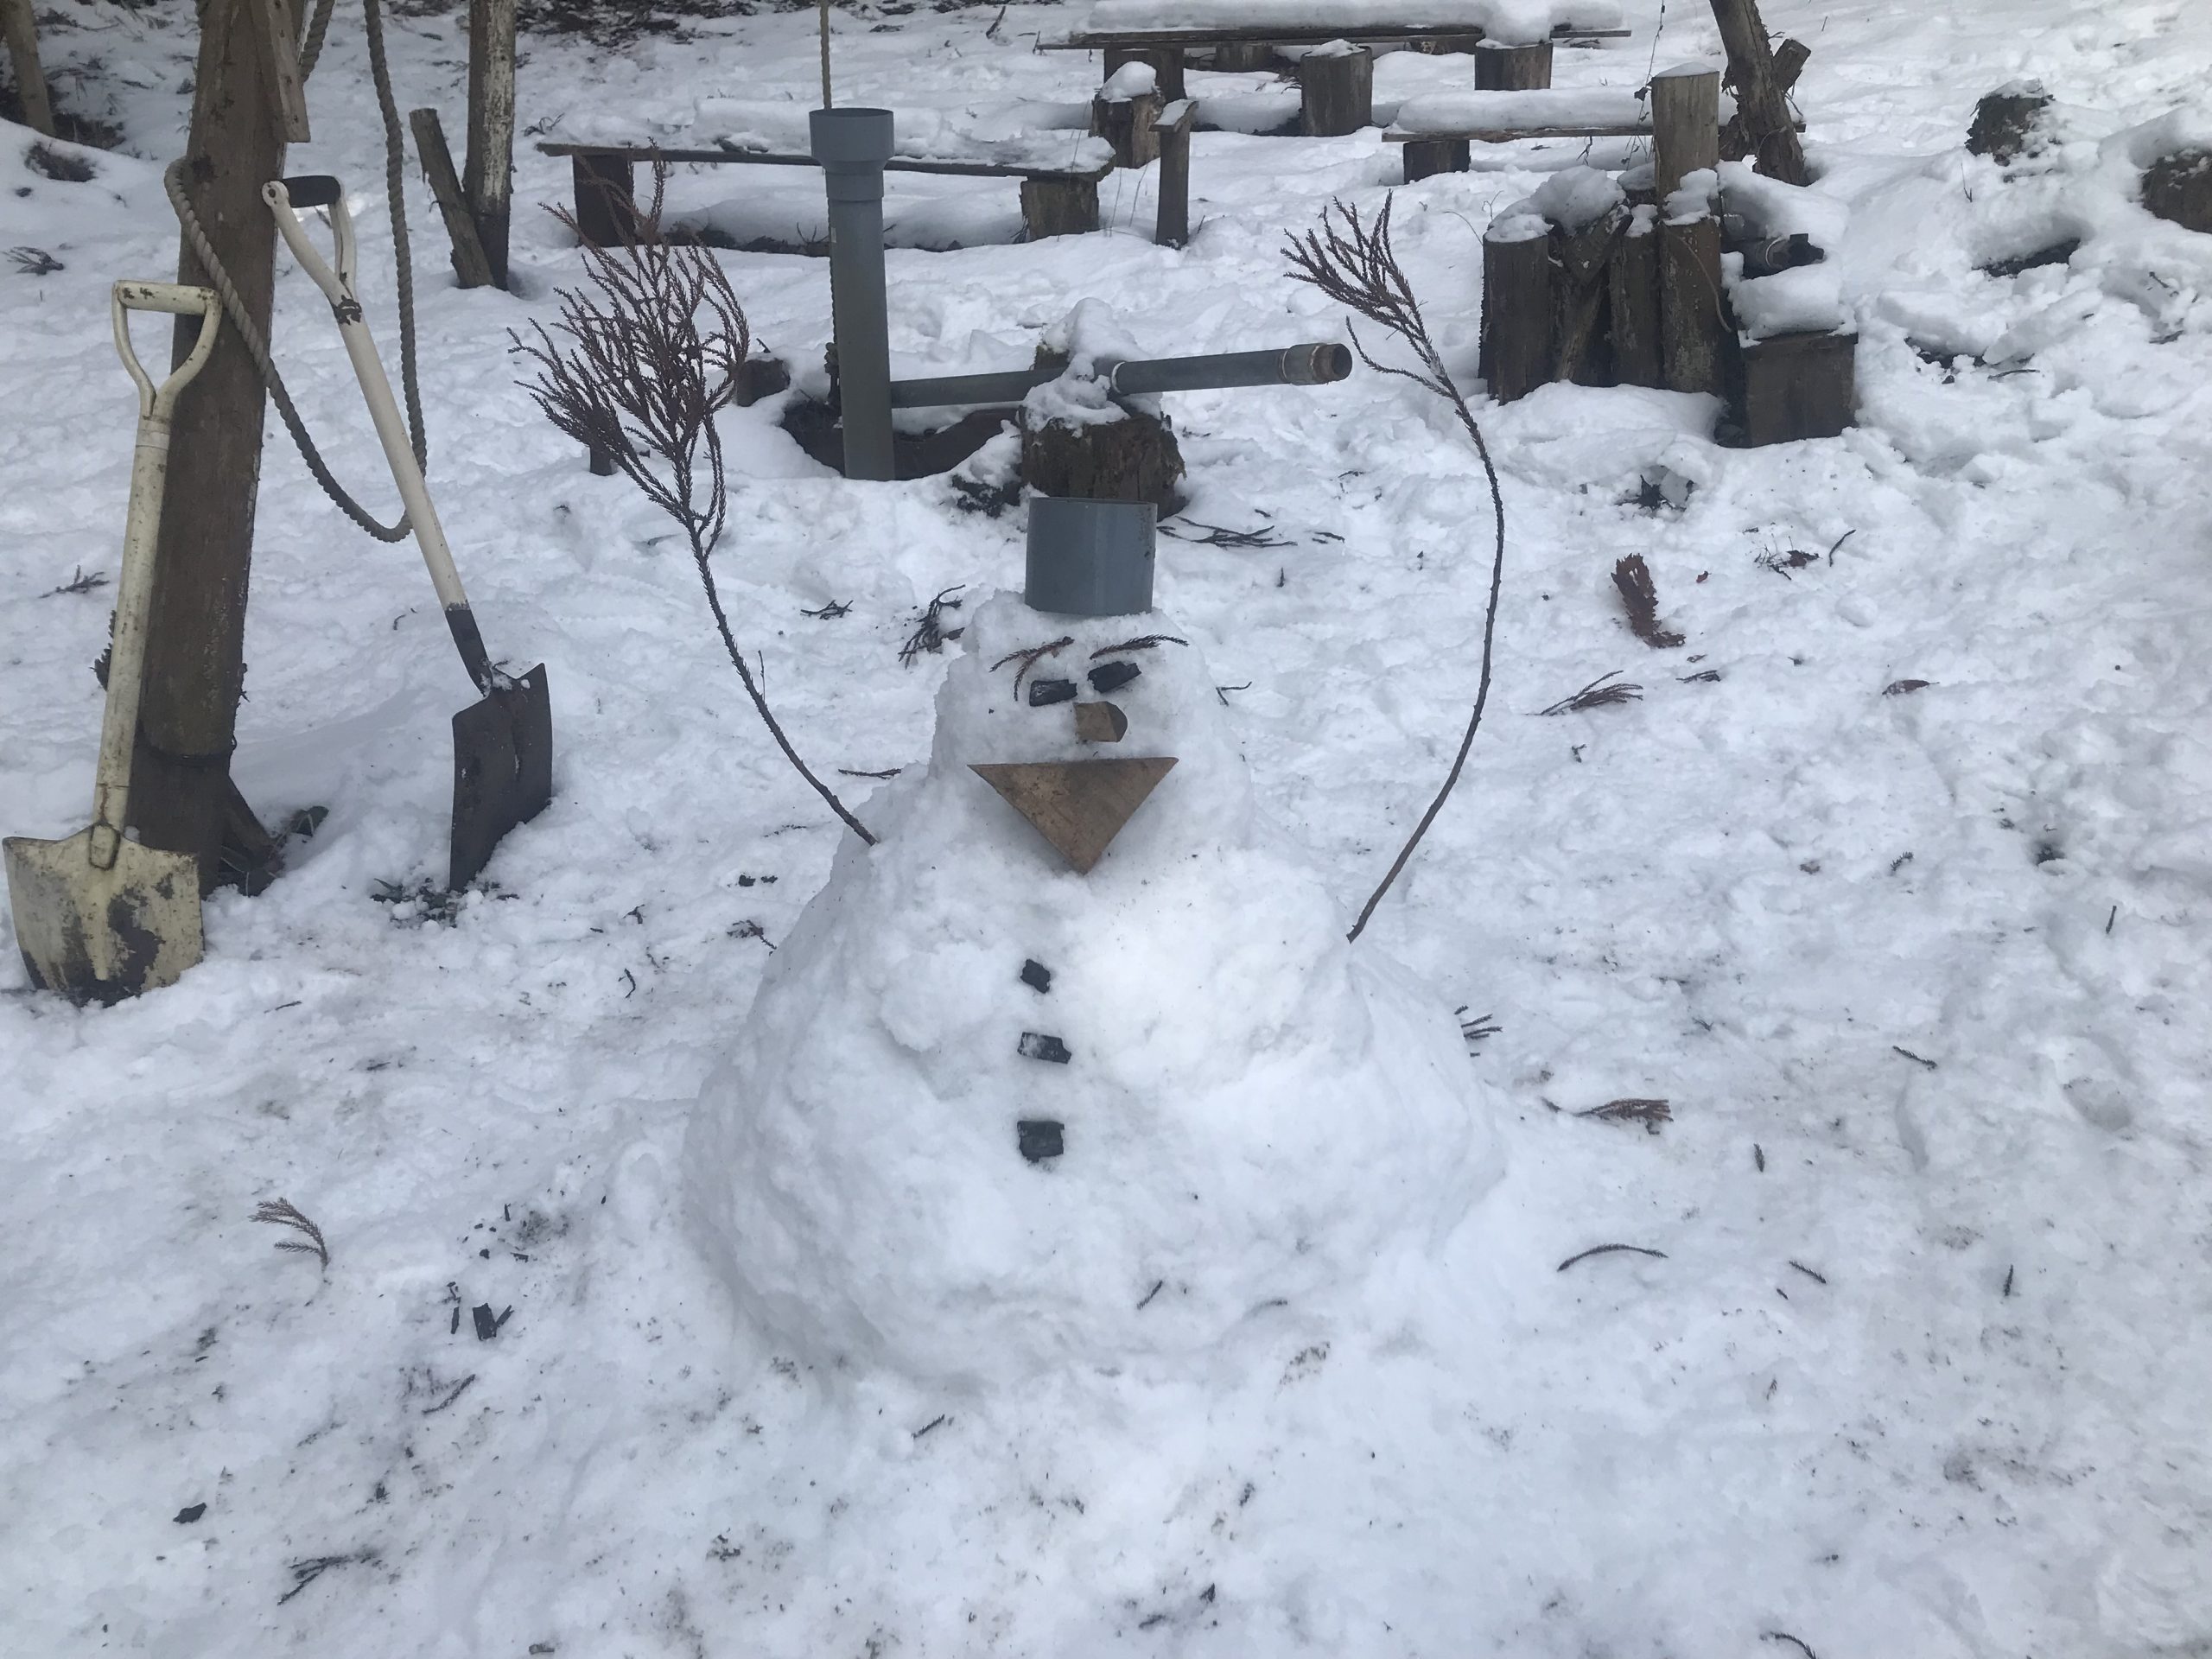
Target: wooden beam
(471, 260)
(487, 177)
(22, 53)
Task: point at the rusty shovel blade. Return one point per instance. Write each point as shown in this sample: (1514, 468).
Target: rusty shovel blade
(502, 770)
(99, 936)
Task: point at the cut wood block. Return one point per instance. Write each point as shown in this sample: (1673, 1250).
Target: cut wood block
(1100, 723)
(1503, 68)
(1633, 284)
(1079, 806)
(1690, 327)
(1337, 89)
(1799, 386)
(1517, 354)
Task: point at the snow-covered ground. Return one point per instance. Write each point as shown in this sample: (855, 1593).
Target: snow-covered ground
(1921, 1367)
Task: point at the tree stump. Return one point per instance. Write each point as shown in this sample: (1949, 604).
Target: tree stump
(1685, 125)
(1052, 206)
(1798, 386)
(2179, 187)
(2005, 121)
(1426, 157)
(1582, 300)
(1337, 87)
(1503, 68)
(1130, 125)
(1167, 63)
(1132, 458)
(1690, 324)
(1632, 281)
(1517, 312)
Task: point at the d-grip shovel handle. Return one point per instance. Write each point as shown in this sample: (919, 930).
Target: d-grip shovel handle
(134, 598)
(320, 190)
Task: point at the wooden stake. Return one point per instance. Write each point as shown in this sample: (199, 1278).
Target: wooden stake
(1760, 105)
(180, 788)
(470, 259)
(487, 176)
(1685, 125)
(22, 53)
(1171, 227)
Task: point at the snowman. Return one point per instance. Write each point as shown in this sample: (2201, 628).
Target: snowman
(1074, 1069)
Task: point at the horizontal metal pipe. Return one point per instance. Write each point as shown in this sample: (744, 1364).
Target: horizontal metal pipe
(1311, 365)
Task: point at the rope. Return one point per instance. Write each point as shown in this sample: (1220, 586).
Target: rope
(257, 346)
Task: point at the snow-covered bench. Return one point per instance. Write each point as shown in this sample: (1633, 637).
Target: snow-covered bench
(1059, 171)
(1160, 31)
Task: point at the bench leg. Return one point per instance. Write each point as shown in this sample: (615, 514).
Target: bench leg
(1425, 158)
(1501, 68)
(1337, 94)
(1058, 207)
(1245, 55)
(607, 201)
(1172, 228)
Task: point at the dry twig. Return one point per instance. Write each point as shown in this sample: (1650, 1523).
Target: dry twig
(282, 1213)
(1596, 695)
(1632, 576)
(1355, 265)
(929, 634)
(1030, 657)
(1649, 1113)
(645, 364)
(1609, 1250)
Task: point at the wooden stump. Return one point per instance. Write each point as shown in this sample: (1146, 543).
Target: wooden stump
(1690, 326)
(1243, 56)
(1632, 283)
(1167, 63)
(1503, 68)
(1057, 206)
(606, 201)
(1517, 316)
(1338, 92)
(1798, 386)
(1426, 157)
(1131, 124)
(1581, 298)
(2005, 122)
(1133, 459)
(2178, 187)
(1685, 125)
(1171, 227)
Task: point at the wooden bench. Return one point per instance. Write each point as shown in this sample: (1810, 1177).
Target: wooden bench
(1438, 127)
(1055, 200)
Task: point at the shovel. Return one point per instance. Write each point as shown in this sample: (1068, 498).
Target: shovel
(502, 744)
(99, 917)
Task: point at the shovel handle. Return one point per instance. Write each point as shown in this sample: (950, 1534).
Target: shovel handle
(149, 463)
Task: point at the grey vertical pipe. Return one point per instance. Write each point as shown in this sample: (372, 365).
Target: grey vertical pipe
(852, 146)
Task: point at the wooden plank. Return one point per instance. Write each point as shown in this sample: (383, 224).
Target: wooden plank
(605, 188)
(635, 153)
(1171, 227)
(1513, 135)
(280, 36)
(1426, 157)
(487, 176)
(1235, 35)
(1799, 386)
(470, 260)
(22, 53)
(1079, 806)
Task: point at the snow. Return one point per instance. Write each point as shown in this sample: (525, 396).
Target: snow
(1577, 108)
(1513, 22)
(1574, 198)
(1773, 899)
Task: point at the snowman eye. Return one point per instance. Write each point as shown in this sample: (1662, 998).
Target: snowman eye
(1111, 677)
(1043, 693)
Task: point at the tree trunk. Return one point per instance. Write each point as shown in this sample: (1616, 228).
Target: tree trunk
(22, 52)
(195, 672)
(488, 174)
(1760, 105)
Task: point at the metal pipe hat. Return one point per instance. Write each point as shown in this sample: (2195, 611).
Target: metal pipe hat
(1089, 558)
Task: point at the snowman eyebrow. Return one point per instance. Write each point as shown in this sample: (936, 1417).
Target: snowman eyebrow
(1144, 642)
(1028, 658)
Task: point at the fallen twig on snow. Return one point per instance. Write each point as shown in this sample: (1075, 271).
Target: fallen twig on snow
(1917, 1059)
(1649, 1113)
(1784, 1635)
(1597, 695)
(929, 634)
(1609, 1250)
(281, 1212)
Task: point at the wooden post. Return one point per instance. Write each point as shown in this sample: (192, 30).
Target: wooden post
(607, 201)
(1503, 68)
(1685, 123)
(181, 794)
(1580, 297)
(1760, 105)
(488, 173)
(22, 53)
(1426, 157)
(1632, 277)
(1338, 90)
(1167, 63)
(470, 262)
(1231, 56)
(1690, 325)
(1517, 318)
(1057, 205)
(1172, 229)
(1131, 124)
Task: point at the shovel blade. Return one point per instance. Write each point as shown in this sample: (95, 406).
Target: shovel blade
(99, 936)
(502, 770)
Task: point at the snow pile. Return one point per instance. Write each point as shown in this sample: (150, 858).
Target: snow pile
(1574, 198)
(1579, 109)
(1514, 23)
(1252, 1112)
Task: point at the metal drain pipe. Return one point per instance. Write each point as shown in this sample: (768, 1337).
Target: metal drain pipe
(851, 146)
(1315, 364)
